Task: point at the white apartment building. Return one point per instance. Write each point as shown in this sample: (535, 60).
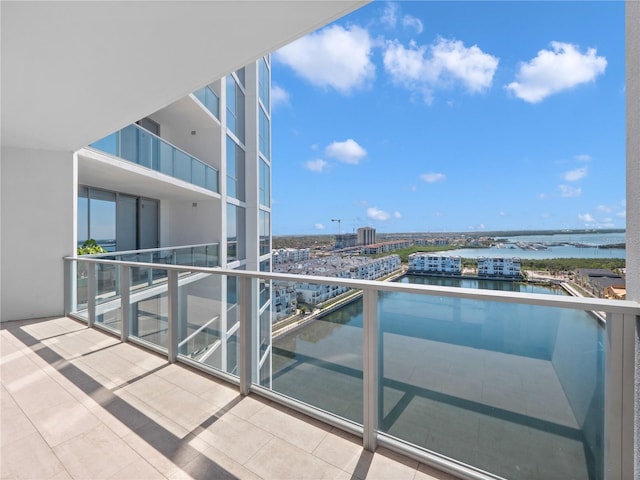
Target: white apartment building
(499, 267)
(286, 255)
(433, 263)
(284, 299)
(376, 268)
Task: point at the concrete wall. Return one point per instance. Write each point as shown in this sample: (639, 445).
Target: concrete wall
(38, 229)
(183, 224)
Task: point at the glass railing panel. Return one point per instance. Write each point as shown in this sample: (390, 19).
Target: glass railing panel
(108, 311)
(149, 306)
(199, 256)
(198, 173)
(211, 179)
(317, 353)
(140, 146)
(515, 390)
(209, 99)
(199, 316)
(182, 166)
(82, 289)
(183, 256)
(213, 252)
(264, 331)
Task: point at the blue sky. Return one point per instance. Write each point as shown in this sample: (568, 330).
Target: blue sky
(452, 116)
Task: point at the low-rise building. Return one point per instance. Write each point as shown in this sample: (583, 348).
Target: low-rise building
(286, 255)
(499, 267)
(383, 247)
(433, 263)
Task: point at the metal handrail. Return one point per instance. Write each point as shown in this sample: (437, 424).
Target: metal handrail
(144, 250)
(547, 300)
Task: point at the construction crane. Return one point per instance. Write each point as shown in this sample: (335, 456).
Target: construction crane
(339, 221)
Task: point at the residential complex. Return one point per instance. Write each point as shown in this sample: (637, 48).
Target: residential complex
(287, 255)
(499, 267)
(433, 263)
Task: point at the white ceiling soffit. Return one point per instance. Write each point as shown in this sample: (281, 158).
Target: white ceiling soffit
(73, 72)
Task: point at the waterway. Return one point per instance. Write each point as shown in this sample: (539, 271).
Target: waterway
(561, 245)
(512, 389)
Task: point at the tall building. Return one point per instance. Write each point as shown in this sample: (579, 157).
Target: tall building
(366, 236)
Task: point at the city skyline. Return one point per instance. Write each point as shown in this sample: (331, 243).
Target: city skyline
(452, 116)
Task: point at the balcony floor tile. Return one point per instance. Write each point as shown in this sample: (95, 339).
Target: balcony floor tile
(77, 403)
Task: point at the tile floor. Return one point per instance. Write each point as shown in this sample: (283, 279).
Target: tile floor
(77, 403)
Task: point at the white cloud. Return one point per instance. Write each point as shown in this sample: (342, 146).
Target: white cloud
(427, 67)
(335, 57)
(397, 214)
(433, 177)
(279, 96)
(319, 226)
(411, 22)
(476, 227)
(502, 214)
(317, 165)
(569, 191)
(586, 217)
(389, 16)
(607, 220)
(583, 158)
(622, 214)
(375, 214)
(348, 151)
(604, 209)
(575, 175)
(553, 71)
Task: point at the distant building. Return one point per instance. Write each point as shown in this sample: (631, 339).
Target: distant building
(499, 267)
(366, 236)
(616, 292)
(433, 263)
(385, 247)
(346, 240)
(286, 255)
(597, 280)
(283, 299)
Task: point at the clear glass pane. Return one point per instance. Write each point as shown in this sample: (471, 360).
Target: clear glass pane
(324, 347)
(149, 306)
(182, 166)
(199, 317)
(211, 179)
(198, 172)
(82, 289)
(165, 158)
(515, 390)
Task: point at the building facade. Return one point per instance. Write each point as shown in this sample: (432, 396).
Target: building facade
(366, 236)
(433, 263)
(287, 255)
(499, 267)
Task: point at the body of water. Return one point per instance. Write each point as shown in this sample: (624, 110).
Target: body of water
(515, 390)
(561, 245)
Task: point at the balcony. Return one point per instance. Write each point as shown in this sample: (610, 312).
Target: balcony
(77, 403)
(479, 383)
(142, 147)
(209, 99)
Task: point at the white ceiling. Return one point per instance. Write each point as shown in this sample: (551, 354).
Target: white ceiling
(73, 72)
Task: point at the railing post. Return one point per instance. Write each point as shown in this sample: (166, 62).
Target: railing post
(247, 306)
(91, 293)
(172, 327)
(619, 396)
(370, 368)
(68, 286)
(125, 303)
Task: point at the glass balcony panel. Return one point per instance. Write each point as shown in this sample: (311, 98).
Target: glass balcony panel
(264, 332)
(149, 306)
(182, 166)
(199, 316)
(140, 146)
(212, 255)
(515, 390)
(108, 312)
(198, 173)
(82, 289)
(209, 99)
(184, 256)
(317, 357)
(200, 256)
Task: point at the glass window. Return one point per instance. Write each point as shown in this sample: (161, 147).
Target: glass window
(265, 229)
(265, 184)
(102, 219)
(235, 108)
(235, 170)
(235, 233)
(263, 83)
(240, 75)
(82, 220)
(264, 135)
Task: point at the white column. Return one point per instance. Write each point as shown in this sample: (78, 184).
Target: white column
(38, 202)
(633, 191)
